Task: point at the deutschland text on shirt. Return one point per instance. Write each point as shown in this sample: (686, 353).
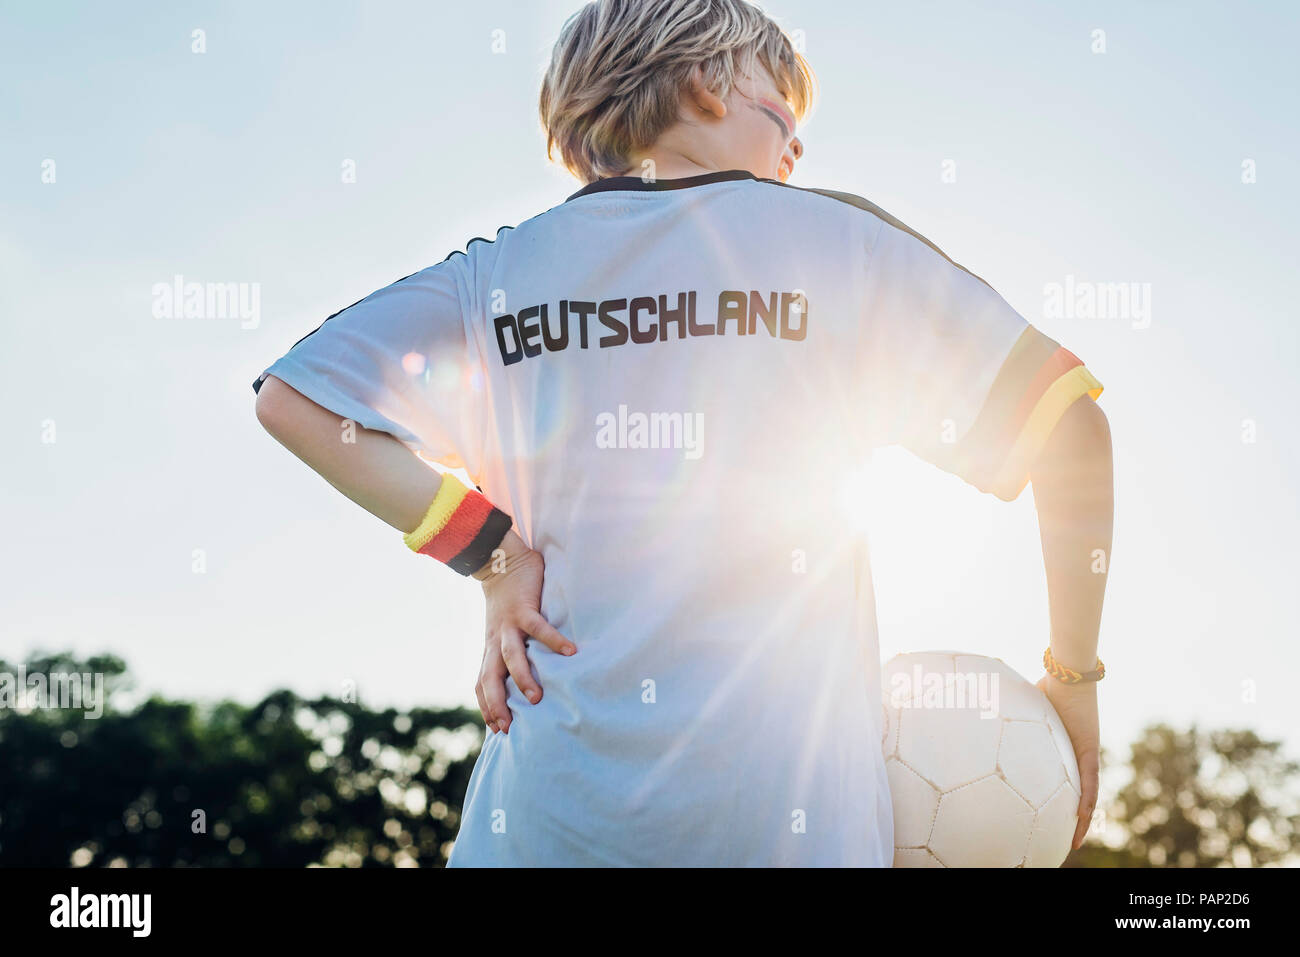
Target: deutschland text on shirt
(646, 319)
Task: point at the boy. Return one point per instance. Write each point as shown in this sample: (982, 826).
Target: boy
(640, 382)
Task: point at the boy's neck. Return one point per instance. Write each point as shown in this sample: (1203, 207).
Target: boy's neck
(671, 164)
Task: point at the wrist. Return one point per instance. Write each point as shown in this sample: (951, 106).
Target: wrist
(1072, 676)
(503, 556)
(461, 528)
(1077, 689)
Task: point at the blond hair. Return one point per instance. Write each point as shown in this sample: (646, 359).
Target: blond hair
(619, 67)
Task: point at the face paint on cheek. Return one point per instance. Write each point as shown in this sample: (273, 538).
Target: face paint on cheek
(778, 115)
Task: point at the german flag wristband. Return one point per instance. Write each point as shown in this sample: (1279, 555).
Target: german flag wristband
(461, 528)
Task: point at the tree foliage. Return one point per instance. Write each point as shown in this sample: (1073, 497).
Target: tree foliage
(1199, 798)
(287, 782)
(292, 782)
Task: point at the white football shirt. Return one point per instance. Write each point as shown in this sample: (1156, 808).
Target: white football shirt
(665, 385)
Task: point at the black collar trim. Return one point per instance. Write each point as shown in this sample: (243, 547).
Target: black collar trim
(636, 183)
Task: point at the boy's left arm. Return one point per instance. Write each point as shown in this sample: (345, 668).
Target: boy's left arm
(1073, 492)
(961, 379)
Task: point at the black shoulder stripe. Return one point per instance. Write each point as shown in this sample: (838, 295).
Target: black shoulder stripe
(257, 383)
(476, 239)
(852, 199)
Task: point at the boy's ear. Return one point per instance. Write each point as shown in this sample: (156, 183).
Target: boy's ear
(701, 99)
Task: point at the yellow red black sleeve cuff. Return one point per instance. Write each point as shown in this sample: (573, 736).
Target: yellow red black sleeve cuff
(1037, 382)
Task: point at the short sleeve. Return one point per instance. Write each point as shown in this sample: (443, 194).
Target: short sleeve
(956, 375)
(399, 361)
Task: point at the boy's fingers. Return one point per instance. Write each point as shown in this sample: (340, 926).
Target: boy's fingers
(494, 691)
(512, 649)
(1081, 829)
(540, 629)
(483, 708)
(1088, 777)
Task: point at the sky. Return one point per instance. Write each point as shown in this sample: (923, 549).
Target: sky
(1034, 150)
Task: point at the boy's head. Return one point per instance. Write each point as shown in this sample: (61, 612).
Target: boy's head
(713, 81)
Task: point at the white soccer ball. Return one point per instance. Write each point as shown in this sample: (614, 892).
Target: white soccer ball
(981, 770)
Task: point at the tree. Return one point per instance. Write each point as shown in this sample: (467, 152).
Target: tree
(292, 782)
(287, 782)
(1200, 799)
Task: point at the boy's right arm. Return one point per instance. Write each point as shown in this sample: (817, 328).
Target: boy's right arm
(401, 365)
(372, 468)
(384, 477)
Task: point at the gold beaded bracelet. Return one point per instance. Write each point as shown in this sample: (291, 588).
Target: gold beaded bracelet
(1069, 675)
